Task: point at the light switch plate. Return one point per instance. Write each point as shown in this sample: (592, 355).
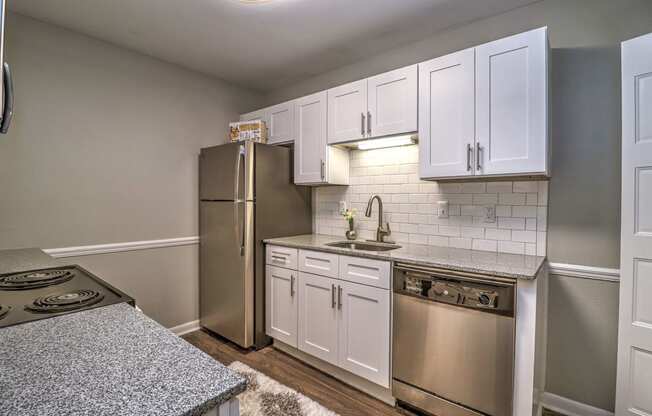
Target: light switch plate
(342, 207)
(489, 213)
(442, 209)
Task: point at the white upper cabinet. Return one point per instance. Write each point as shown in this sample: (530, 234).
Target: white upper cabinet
(511, 105)
(310, 145)
(447, 115)
(382, 105)
(392, 102)
(280, 123)
(347, 112)
(316, 163)
(483, 111)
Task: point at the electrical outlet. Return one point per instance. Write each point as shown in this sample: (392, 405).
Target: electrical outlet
(489, 213)
(442, 209)
(342, 207)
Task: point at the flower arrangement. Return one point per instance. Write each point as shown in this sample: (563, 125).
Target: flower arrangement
(349, 216)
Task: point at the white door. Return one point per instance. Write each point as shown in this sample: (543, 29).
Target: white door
(446, 115)
(347, 112)
(280, 123)
(281, 304)
(634, 386)
(255, 115)
(310, 156)
(318, 316)
(364, 332)
(392, 102)
(511, 104)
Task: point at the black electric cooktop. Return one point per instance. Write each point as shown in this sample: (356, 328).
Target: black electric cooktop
(39, 294)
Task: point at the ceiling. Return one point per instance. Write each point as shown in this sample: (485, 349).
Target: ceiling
(260, 45)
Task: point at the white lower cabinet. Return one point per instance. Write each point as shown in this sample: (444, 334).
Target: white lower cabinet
(318, 316)
(333, 316)
(281, 298)
(363, 327)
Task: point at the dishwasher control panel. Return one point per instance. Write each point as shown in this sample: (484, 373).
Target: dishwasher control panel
(475, 293)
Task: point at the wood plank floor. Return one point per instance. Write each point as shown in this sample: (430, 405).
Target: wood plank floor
(287, 370)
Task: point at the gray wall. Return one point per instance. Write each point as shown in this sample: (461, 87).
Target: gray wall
(584, 217)
(103, 149)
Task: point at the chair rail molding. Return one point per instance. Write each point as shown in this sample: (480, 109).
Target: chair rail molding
(120, 247)
(585, 272)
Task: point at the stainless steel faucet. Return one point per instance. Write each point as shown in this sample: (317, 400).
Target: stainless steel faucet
(381, 231)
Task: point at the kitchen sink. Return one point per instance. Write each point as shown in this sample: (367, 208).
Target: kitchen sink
(364, 246)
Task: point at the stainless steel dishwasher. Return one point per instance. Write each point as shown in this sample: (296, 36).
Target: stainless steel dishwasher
(453, 342)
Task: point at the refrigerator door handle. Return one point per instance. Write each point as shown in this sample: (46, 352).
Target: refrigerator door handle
(237, 201)
(8, 112)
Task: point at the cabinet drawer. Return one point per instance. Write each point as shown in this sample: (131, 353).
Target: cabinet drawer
(365, 271)
(282, 257)
(316, 262)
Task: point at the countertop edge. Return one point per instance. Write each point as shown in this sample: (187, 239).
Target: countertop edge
(375, 255)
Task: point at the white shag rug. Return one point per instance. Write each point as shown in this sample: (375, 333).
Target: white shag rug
(267, 397)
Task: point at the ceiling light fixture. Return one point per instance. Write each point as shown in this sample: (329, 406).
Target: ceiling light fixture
(387, 142)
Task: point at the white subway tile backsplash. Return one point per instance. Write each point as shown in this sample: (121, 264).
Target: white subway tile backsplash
(524, 236)
(485, 245)
(511, 199)
(473, 187)
(500, 187)
(498, 234)
(529, 186)
(411, 205)
(460, 242)
(524, 212)
(511, 247)
(511, 223)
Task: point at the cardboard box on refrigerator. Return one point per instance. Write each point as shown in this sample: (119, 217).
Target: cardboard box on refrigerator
(254, 130)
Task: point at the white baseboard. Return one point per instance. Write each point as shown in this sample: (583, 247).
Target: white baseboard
(185, 328)
(570, 407)
(120, 247)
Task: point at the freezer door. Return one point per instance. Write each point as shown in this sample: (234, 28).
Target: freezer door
(226, 270)
(225, 172)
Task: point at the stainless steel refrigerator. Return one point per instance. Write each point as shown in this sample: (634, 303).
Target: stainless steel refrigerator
(247, 194)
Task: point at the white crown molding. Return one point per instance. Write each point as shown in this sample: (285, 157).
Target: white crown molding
(120, 247)
(585, 272)
(570, 407)
(185, 328)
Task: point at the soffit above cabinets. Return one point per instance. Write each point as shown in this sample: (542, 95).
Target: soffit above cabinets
(264, 45)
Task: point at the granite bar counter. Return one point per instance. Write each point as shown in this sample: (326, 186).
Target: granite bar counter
(513, 266)
(112, 360)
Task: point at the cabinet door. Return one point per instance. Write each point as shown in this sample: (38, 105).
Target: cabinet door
(347, 112)
(392, 102)
(281, 308)
(280, 123)
(364, 332)
(318, 316)
(511, 106)
(310, 156)
(446, 115)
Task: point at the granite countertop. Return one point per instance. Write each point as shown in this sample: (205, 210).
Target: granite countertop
(20, 260)
(514, 266)
(112, 360)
